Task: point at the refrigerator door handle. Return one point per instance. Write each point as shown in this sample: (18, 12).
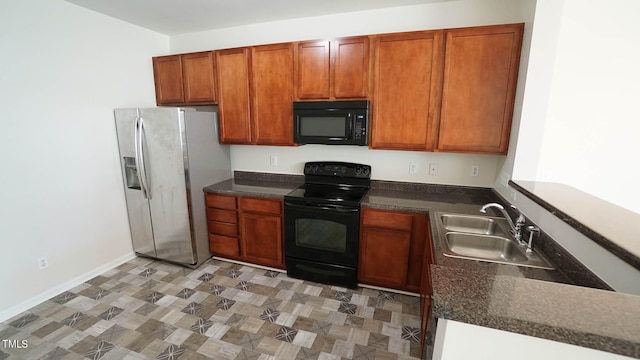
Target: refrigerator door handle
(142, 173)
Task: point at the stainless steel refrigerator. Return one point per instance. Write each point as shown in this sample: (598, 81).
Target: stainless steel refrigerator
(167, 156)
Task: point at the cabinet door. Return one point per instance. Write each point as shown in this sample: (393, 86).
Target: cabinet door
(261, 239)
(272, 84)
(407, 73)
(167, 74)
(312, 70)
(234, 96)
(199, 80)
(384, 255)
(350, 67)
(480, 74)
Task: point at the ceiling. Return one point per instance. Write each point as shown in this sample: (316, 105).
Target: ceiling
(173, 17)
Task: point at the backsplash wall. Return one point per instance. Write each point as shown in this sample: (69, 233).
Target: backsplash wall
(452, 169)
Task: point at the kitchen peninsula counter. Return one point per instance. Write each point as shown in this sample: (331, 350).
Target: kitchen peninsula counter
(568, 305)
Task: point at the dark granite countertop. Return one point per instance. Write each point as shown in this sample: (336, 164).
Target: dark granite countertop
(597, 319)
(274, 186)
(534, 302)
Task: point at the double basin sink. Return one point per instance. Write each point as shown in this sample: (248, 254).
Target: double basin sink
(486, 238)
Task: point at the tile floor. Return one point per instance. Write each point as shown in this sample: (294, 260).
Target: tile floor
(149, 309)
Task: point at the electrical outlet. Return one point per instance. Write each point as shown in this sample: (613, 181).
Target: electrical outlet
(433, 169)
(413, 167)
(273, 160)
(512, 194)
(43, 263)
(475, 170)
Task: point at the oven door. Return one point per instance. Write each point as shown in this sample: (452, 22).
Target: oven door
(322, 233)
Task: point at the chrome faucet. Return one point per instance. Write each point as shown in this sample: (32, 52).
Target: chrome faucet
(516, 229)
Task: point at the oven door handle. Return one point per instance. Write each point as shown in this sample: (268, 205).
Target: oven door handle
(311, 206)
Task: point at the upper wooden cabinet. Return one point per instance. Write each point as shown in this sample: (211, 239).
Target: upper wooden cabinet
(443, 90)
(480, 74)
(407, 87)
(256, 95)
(185, 79)
(335, 69)
(234, 102)
(272, 95)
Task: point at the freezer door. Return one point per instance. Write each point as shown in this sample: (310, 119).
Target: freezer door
(166, 156)
(137, 204)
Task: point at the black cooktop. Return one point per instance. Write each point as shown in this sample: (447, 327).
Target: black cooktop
(328, 194)
(330, 182)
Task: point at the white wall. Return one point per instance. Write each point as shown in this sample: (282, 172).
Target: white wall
(580, 118)
(579, 124)
(454, 169)
(591, 135)
(65, 69)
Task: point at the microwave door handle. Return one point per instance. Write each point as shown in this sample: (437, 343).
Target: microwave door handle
(350, 130)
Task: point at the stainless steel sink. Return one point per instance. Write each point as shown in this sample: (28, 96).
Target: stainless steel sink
(486, 238)
(473, 224)
(486, 247)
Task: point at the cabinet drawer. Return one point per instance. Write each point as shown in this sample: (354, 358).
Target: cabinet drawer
(227, 216)
(387, 219)
(221, 201)
(224, 245)
(222, 228)
(265, 206)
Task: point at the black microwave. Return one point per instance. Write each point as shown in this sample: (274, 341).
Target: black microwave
(331, 122)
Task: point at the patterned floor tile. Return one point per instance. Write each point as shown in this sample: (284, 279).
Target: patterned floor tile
(270, 315)
(24, 320)
(201, 326)
(150, 309)
(172, 352)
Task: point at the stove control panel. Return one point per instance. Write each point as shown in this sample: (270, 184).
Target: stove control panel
(337, 169)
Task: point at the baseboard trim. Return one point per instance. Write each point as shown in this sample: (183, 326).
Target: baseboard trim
(48, 294)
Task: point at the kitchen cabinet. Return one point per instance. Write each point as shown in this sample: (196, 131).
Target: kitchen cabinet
(442, 90)
(392, 247)
(272, 95)
(479, 85)
(187, 79)
(256, 94)
(234, 104)
(407, 88)
(246, 229)
(261, 231)
(333, 69)
(222, 222)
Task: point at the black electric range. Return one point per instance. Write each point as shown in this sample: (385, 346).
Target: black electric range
(322, 222)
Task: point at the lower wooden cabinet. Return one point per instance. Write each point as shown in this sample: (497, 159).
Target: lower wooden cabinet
(392, 248)
(246, 229)
(261, 231)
